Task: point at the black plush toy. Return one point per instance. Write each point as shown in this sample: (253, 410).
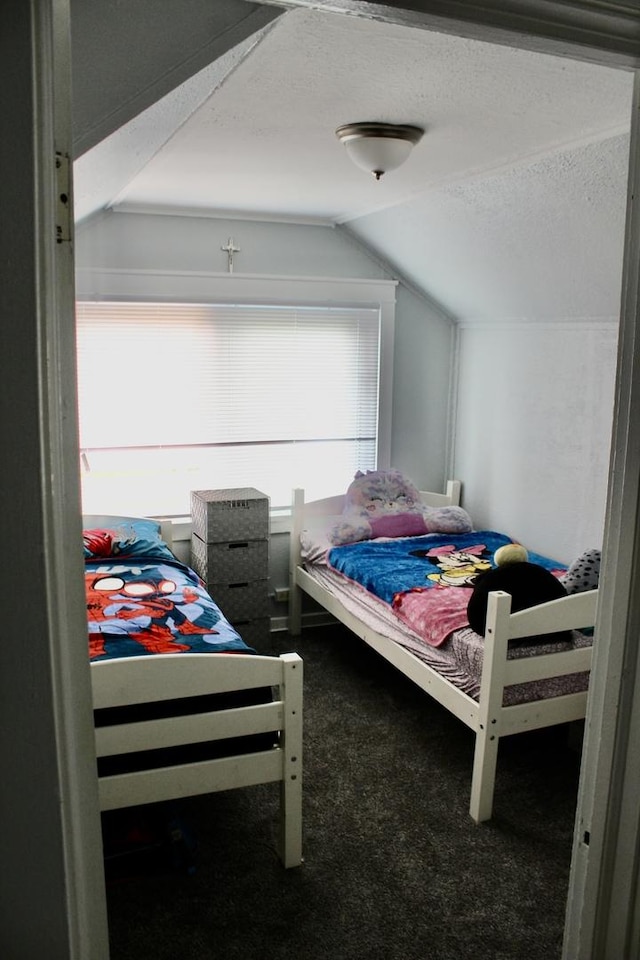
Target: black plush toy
(528, 583)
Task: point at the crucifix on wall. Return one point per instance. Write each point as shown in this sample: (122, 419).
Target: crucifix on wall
(230, 249)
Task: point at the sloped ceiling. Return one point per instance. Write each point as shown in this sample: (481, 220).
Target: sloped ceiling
(126, 56)
(511, 206)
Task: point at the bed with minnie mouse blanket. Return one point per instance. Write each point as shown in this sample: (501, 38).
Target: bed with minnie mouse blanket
(506, 648)
(182, 705)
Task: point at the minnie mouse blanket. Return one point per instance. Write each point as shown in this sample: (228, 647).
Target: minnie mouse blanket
(427, 580)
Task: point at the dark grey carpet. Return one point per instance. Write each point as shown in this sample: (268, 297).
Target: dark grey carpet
(394, 867)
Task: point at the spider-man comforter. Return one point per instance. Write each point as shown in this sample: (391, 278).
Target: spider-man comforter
(427, 580)
(141, 605)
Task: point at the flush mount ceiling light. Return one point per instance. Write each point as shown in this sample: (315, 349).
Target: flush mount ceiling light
(379, 147)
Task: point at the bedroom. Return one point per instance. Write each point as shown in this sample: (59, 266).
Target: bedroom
(474, 227)
(406, 401)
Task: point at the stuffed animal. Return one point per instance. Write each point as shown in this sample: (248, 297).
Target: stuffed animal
(528, 583)
(510, 553)
(385, 503)
(583, 573)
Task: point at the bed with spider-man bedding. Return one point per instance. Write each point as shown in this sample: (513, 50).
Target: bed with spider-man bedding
(182, 705)
(408, 596)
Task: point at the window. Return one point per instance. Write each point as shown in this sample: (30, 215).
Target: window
(181, 396)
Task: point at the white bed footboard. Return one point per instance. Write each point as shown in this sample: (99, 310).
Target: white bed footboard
(174, 677)
(495, 720)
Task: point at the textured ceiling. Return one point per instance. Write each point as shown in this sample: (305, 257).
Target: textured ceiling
(257, 134)
(538, 241)
(253, 135)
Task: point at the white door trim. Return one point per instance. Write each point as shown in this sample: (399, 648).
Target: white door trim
(77, 783)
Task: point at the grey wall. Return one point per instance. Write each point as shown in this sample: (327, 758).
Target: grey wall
(161, 241)
(535, 409)
(533, 400)
(120, 66)
(529, 260)
(424, 338)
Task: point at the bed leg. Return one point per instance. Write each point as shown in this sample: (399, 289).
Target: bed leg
(291, 825)
(490, 704)
(291, 786)
(484, 775)
(295, 610)
(295, 593)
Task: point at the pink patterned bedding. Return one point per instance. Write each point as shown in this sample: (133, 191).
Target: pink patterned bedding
(457, 656)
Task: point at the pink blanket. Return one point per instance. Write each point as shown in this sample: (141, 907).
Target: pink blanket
(433, 612)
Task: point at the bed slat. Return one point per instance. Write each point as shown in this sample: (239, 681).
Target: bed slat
(543, 713)
(554, 616)
(171, 676)
(123, 738)
(548, 665)
(189, 779)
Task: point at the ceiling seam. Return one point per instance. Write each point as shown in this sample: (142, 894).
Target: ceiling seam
(396, 274)
(259, 38)
(486, 173)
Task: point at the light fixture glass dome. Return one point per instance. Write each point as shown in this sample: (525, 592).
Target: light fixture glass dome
(379, 147)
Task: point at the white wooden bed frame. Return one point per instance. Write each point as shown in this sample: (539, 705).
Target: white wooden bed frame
(145, 679)
(487, 717)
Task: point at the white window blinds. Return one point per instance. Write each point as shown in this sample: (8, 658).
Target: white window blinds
(182, 396)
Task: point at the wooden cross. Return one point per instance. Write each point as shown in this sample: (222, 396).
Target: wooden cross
(230, 249)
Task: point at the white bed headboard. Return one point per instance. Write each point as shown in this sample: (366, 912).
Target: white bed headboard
(450, 498)
(332, 506)
(94, 521)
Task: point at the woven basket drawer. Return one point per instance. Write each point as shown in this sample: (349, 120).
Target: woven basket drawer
(244, 600)
(230, 561)
(234, 514)
(256, 634)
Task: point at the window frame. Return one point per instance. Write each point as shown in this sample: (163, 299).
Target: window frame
(115, 285)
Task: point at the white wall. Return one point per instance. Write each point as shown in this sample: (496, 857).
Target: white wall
(424, 339)
(535, 407)
(534, 399)
(528, 258)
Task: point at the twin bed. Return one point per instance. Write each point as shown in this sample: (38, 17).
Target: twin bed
(182, 705)
(530, 669)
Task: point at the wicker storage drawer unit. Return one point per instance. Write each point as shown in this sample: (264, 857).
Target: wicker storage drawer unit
(256, 633)
(238, 514)
(230, 551)
(230, 561)
(243, 600)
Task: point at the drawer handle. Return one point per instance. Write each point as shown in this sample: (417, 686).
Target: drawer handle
(239, 546)
(233, 586)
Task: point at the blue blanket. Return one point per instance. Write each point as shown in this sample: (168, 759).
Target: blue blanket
(390, 567)
(139, 606)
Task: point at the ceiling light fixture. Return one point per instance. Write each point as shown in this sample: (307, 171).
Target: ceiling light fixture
(379, 147)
